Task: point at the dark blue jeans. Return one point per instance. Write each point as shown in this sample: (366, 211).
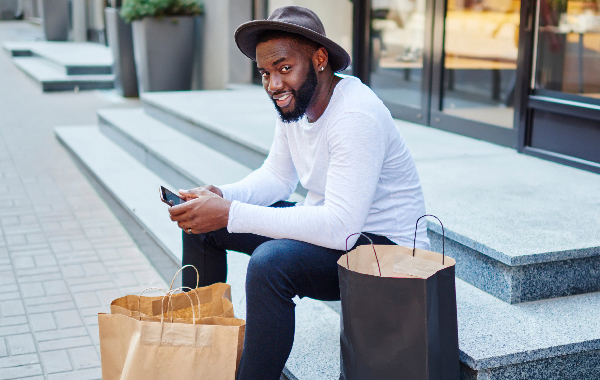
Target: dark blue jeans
(279, 269)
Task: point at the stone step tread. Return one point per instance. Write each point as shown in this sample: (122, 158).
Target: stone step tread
(244, 115)
(134, 186)
(66, 54)
(196, 161)
(315, 354)
(43, 72)
(493, 333)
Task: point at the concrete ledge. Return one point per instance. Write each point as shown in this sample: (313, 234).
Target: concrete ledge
(52, 79)
(73, 58)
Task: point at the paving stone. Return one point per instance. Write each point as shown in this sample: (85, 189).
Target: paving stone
(56, 361)
(85, 374)
(59, 344)
(94, 269)
(68, 318)
(10, 296)
(40, 277)
(20, 344)
(44, 308)
(19, 360)
(124, 279)
(107, 296)
(60, 334)
(88, 280)
(20, 371)
(72, 271)
(4, 349)
(44, 261)
(33, 289)
(23, 262)
(92, 287)
(11, 321)
(84, 357)
(56, 287)
(48, 299)
(87, 299)
(26, 274)
(42, 322)
(14, 329)
(12, 308)
(7, 278)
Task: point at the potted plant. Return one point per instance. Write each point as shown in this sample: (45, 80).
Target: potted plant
(163, 42)
(120, 41)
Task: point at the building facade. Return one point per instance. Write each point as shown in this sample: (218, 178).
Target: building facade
(523, 74)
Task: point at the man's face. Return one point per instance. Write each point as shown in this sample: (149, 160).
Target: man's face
(288, 76)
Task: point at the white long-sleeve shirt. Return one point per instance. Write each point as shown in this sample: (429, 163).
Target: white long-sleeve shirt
(356, 167)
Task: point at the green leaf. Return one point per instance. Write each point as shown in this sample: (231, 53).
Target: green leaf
(138, 9)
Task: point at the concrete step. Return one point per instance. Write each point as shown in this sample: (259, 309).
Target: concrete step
(170, 154)
(72, 58)
(238, 123)
(513, 222)
(52, 79)
(315, 354)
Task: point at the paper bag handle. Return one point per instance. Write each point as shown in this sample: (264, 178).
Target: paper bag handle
(443, 237)
(140, 300)
(182, 268)
(191, 302)
(369, 239)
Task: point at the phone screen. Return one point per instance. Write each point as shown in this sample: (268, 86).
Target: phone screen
(169, 197)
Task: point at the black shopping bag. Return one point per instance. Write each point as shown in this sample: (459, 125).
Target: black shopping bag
(398, 314)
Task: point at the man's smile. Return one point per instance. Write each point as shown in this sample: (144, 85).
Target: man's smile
(283, 100)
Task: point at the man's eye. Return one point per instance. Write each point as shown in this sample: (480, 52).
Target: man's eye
(264, 74)
(285, 69)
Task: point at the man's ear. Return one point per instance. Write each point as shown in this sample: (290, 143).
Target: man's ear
(320, 59)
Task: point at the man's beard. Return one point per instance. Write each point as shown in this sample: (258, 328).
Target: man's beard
(302, 98)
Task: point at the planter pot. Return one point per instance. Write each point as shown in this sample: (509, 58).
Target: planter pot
(120, 41)
(164, 53)
(55, 14)
(8, 9)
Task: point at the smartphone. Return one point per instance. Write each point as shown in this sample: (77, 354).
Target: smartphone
(169, 197)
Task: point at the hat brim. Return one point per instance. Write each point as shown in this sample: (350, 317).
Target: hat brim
(247, 34)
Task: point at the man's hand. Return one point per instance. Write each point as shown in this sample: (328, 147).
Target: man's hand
(203, 211)
(194, 193)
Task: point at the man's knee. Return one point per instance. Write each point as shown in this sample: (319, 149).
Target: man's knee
(269, 264)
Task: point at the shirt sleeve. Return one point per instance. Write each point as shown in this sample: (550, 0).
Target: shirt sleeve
(357, 148)
(274, 181)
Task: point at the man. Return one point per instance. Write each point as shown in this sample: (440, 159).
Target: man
(338, 140)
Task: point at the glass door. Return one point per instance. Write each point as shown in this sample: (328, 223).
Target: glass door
(564, 106)
(475, 70)
(400, 35)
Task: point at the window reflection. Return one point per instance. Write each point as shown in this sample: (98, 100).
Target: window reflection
(481, 47)
(397, 37)
(568, 50)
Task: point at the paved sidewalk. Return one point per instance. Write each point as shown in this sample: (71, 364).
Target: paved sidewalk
(63, 254)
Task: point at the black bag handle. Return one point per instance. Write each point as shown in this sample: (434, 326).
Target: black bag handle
(415, 239)
(371, 241)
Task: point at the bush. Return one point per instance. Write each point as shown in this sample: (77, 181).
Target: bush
(138, 9)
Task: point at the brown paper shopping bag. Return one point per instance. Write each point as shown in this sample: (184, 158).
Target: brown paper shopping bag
(399, 316)
(132, 349)
(208, 301)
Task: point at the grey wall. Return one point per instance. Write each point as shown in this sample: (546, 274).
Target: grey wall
(221, 62)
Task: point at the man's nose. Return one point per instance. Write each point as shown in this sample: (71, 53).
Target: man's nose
(275, 83)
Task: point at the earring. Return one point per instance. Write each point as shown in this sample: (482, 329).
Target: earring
(322, 68)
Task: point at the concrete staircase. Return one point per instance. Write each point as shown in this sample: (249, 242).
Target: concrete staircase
(524, 231)
(64, 66)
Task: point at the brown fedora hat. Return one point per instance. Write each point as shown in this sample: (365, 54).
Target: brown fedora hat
(291, 19)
